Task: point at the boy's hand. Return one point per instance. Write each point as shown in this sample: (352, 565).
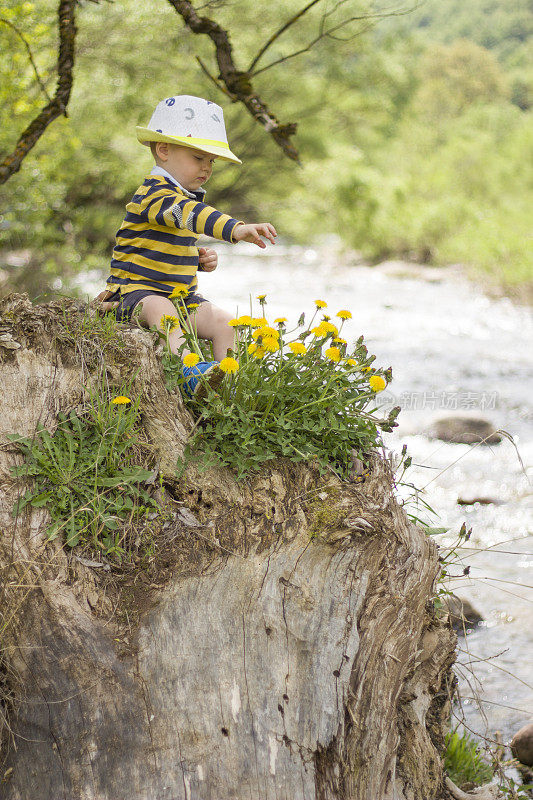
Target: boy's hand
(208, 258)
(100, 303)
(253, 232)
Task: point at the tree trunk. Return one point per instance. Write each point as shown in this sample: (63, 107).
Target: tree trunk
(281, 645)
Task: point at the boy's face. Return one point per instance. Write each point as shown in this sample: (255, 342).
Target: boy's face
(190, 167)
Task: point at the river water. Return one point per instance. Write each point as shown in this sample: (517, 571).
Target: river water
(452, 349)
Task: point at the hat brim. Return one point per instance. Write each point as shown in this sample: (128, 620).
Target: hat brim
(146, 136)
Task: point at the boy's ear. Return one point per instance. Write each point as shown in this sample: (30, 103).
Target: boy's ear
(161, 150)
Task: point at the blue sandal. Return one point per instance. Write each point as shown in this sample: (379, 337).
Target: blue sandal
(193, 385)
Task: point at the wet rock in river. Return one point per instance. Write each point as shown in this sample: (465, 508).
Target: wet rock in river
(463, 429)
(462, 613)
(522, 745)
(483, 501)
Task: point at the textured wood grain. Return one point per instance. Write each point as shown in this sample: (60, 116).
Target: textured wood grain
(291, 654)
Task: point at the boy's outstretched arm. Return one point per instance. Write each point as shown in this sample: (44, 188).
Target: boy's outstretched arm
(253, 232)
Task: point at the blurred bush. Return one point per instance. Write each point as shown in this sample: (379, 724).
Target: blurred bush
(415, 136)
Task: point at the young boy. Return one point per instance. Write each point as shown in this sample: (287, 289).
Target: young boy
(155, 252)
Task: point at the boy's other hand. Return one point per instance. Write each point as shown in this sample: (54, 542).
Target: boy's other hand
(100, 303)
(208, 258)
(253, 232)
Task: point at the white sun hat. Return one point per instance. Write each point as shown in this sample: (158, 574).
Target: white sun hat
(191, 122)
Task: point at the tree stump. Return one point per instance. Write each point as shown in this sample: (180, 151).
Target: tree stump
(282, 646)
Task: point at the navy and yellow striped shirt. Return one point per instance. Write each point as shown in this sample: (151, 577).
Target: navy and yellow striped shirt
(156, 244)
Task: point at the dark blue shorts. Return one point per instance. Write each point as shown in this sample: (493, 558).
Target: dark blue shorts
(127, 302)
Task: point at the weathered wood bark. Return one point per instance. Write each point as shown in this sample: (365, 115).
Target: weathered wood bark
(289, 649)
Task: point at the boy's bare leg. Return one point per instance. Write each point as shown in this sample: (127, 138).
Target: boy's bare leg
(152, 308)
(211, 323)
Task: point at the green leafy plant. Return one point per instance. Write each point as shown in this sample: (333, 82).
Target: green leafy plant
(515, 791)
(89, 326)
(85, 476)
(302, 394)
(464, 761)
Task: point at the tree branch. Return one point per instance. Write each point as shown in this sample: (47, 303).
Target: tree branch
(236, 82)
(281, 30)
(215, 81)
(30, 54)
(329, 33)
(58, 104)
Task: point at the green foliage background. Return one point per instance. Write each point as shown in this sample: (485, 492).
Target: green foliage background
(414, 132)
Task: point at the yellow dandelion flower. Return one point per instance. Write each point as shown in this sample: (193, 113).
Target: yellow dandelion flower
(234, 323)
(326, 318)
(259, 352)
(351, 362)
(344, 314)
(258, 322)
(261, 298)
(324, 329)
(192, 306)
(229, 365)
(252, 348)
(377, 383)
(179, 292)
(120, 401)
(266, 330)
(170, 321)
(338, 340)
(245, 320)
(298, 348)
(271, 344)
(280, 320)
(366, 369)
(191, 360)
(319, 331)
(321, 304)
(333, 353)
